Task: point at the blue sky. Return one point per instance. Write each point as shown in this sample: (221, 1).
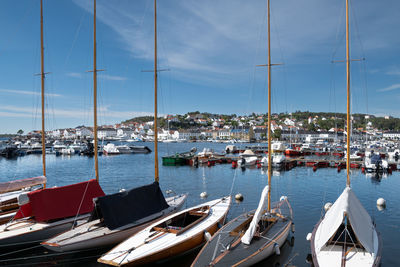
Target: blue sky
(211, 48)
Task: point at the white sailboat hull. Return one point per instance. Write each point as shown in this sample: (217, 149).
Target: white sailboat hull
(26, 231)
(267, 251)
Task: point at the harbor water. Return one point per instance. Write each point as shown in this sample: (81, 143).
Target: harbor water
(307, 191)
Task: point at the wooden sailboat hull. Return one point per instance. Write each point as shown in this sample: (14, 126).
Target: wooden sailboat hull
(187, 245)
(91, 235)
(226, 249)
(157, 243)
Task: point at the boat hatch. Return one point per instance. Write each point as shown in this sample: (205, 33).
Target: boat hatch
(183, 222)
(266, 223)
(242, 227)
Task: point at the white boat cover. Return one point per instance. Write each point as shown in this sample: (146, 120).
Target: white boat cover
(277, 146)
(248, 236)
(359, 219)
(19, 184)
(248, 152)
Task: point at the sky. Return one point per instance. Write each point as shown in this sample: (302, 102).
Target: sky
(209, 51)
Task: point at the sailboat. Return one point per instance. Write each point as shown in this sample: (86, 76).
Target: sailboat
(11, 190)
(256, 235)
(49, 211)
(174, 234)
(120, 215)
(346, 235)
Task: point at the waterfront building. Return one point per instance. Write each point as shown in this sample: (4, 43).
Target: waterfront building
(104, 133)
(393, 135)
(84, 132)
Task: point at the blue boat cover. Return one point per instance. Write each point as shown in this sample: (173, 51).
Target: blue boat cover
(126, 207)
(376, 158)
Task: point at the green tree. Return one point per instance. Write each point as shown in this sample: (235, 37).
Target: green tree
(277, 134)
(20, 132)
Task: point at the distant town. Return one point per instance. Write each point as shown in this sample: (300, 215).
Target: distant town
(195, 126)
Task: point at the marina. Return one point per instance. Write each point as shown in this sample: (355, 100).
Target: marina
(146, 187)
(307, 190)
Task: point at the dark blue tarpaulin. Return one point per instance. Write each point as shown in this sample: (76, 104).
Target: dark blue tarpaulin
(129, 206)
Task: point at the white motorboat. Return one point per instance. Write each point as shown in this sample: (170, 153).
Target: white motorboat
(110, 149)
(247, 158)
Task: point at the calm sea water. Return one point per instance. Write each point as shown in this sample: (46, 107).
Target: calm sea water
(307, 191)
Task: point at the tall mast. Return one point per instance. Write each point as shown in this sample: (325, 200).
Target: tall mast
(42, 75)
(269, 112)
(348, 92)
(96, 154)
(156, 178)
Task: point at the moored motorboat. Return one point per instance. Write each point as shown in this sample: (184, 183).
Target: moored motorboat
(278, 161)
(140, 149)
(110, 149)
(170, 236)
(247, 158)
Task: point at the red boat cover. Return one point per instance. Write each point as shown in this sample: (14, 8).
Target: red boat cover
(61, 202)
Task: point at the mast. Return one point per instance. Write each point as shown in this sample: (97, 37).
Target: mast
(348, 92)
(96, 154)
(156, 178)
(269, 112)
(42, 75)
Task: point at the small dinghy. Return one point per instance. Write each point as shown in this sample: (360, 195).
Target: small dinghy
(249, 238)
(170, 236)
(116, 217)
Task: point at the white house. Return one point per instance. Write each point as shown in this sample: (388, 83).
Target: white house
(69, 133)
(224, 134)
(83, 132)
(206, 134)
(186, 134)
(106, 132)
(289, 122)
(121, 132)
(393, 135)
(55, 133)
(216, 124)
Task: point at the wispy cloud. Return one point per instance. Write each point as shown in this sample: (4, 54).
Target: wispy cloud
(104, 112)
(74, 74)
(21, 92)
(393, 72)
(112, 77)
(390, 88)
(13, 115)
(214, 38)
